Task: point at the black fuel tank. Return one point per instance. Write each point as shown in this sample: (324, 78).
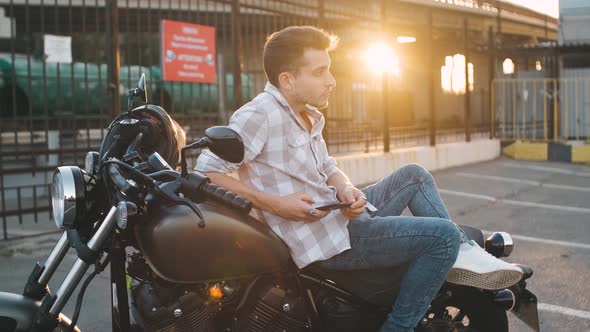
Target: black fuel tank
(230, 246)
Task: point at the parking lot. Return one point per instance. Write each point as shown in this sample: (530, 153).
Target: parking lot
(544, 205)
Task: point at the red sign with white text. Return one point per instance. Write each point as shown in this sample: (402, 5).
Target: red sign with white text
(188, 52)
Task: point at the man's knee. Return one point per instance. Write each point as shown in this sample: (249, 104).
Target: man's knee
(450, 232)
(416, 171)
(447, 233)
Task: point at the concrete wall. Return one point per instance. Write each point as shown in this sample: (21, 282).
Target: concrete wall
(362, 168)
(365, 168)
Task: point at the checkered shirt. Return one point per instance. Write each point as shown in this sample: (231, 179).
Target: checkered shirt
(282, 158)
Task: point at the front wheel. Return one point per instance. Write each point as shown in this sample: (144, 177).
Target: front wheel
(471, 311)
(17, 313)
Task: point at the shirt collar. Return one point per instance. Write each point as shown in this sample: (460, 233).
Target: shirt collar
(276, 93)
(313, 112)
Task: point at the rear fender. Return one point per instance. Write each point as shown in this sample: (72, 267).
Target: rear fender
(525, 307)
(18, 314)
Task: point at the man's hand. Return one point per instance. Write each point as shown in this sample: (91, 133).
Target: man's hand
(297, 207)
(351, 194)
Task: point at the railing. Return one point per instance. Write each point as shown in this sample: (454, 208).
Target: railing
(541, 109)
(51, 114)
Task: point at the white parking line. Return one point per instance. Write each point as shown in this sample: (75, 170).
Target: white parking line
(563, 310)
(545, 241)
(498, 178)
(529, 182)
(517, 203)
(547, 169)
(564, 187)
(464, 194)
(546, 206)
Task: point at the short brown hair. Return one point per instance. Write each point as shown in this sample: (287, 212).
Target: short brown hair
(283, 50)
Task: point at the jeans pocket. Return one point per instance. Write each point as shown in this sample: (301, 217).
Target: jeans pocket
(343, 261)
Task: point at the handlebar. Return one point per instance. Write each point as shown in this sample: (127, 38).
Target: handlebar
(196, 187)
(221, 195)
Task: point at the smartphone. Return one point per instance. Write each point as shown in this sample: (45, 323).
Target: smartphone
(370, 207)
(333, 206)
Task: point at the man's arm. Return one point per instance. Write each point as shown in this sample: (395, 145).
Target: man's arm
(292, 207)
(348, 193)
(340, 181)
(252, 125)
(260, 200)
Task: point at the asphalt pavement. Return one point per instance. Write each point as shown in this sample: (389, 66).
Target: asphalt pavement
(544, 205)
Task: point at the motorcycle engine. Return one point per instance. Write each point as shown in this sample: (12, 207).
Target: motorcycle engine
(153, 313)
(263, 304)
(274, 305)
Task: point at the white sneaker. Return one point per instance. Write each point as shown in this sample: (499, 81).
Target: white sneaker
(475, 267)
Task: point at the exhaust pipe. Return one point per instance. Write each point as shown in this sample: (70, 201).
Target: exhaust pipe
(505, 299)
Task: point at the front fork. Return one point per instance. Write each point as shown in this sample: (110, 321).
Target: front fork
(119, 297)
(36, 287)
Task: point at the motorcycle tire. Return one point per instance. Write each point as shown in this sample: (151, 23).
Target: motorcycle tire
(482, 314)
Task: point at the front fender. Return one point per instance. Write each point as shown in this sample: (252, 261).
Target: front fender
(17, 314)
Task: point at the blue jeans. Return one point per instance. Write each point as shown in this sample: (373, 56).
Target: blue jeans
(429, 241)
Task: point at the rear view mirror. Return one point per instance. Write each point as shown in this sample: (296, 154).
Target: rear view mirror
(142, 92)
(225, 143)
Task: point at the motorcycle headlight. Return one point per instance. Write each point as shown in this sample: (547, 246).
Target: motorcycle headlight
(499, 244)
(68, 191)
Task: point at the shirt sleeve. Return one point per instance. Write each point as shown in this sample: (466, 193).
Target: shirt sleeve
(252, 126)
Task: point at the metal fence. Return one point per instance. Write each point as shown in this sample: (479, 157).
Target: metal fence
(542, 109)
(53, 113)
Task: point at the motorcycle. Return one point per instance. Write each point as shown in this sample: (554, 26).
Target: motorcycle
(187, 255)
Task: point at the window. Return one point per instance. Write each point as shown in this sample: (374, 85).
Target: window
(452, 75)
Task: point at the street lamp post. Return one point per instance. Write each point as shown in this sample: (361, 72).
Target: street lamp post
(386, 98)
(383, 63)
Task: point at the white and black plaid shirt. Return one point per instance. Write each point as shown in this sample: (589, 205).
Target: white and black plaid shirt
(282, 158)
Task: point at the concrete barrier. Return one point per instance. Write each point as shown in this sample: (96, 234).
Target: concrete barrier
(574, 151)
(364, 168)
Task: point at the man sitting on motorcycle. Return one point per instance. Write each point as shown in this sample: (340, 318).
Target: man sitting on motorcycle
(287, 171)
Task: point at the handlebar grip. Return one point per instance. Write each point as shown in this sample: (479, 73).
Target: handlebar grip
(218, 194)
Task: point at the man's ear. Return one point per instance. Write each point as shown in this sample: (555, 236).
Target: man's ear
(286, 80)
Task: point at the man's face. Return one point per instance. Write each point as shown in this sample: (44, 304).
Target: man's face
(313, 82)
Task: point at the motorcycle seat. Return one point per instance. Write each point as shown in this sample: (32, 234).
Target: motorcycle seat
(384, 282)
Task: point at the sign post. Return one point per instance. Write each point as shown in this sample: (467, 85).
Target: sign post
(188, 52)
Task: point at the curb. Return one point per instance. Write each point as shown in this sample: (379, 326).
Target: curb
(576, 153)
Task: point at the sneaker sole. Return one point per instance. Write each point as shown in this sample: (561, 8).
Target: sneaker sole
(492, 281)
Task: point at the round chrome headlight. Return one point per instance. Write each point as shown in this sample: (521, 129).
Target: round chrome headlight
(67, 195)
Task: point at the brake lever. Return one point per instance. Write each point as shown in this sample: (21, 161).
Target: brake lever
(169, 191)
(165, 175)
